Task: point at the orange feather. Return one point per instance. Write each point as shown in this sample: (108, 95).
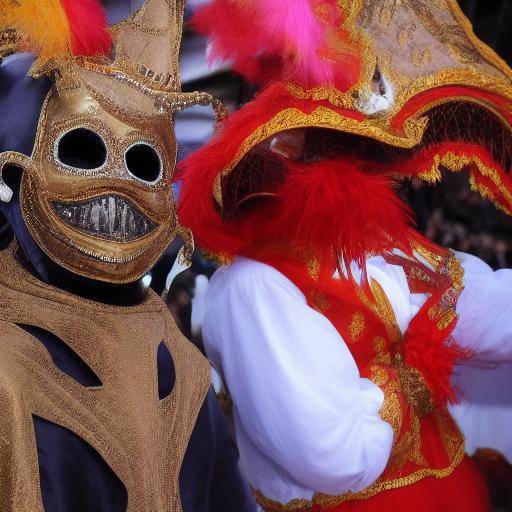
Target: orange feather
(42, 26)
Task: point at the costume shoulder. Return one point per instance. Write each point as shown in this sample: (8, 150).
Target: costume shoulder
(247, 277)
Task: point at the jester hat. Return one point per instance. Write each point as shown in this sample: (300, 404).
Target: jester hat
(96, 190)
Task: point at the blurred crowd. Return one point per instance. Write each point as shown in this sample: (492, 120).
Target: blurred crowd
(452, 215)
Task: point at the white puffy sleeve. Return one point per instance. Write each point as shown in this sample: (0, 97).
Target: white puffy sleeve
(297, 393)
(485, 311)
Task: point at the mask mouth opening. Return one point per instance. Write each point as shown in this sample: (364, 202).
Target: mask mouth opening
(463, 127)
(109, 217)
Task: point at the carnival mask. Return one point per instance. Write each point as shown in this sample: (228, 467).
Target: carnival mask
(96, 193)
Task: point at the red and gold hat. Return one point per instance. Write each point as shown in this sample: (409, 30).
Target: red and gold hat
(405, 87)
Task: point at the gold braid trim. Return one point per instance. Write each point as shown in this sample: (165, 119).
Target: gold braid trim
(456, 163)
(331, 94)
(323, 117)
(376, 488)
(446, 77)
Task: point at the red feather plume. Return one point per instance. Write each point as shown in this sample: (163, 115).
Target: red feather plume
(88, 27)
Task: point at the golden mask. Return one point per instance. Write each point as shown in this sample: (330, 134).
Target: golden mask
(96, 192)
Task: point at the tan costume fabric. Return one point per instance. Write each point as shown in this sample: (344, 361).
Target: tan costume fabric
(143, 439)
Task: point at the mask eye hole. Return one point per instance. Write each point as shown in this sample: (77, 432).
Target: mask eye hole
(144, 162)
(82, 149)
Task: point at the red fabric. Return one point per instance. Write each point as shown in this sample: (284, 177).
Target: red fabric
(439, 93)
(463, 491)
(321, 205)
(88, 26)
(433, 352)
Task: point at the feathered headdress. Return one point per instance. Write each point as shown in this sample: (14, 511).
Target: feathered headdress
(55, 29)
(403, 88)
(296, 40)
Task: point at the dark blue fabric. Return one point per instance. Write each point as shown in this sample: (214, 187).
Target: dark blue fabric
(21, 99)
(166, 371)
(65, 359)
(210, 480)
(74, 477)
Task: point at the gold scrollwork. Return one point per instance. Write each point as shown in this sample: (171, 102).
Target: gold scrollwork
(374, 489)
(456, 163)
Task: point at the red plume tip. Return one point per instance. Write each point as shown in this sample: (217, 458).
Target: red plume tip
(88, 27)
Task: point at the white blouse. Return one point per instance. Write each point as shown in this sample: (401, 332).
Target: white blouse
(305, 420)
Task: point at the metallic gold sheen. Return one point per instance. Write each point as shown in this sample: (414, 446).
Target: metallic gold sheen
(47, 180)
(120, 345)
(419, 46)
(324, 117)
(457, 163)
(129, 100)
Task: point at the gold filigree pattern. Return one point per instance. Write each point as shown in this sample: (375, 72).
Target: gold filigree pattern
(357, 326)
(391, 410)
(9, 40)
(382, 355)
(414, 388)
(382, 307)
(335, 97)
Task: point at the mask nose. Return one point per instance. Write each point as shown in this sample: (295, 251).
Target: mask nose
(144, 162)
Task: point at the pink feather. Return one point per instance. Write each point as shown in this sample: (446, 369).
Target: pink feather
(294, 27)
(270, 39)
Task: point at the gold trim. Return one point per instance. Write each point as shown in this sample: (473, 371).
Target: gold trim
(451, 77)
(323, 117)
(324, 93)
(446, 77)
(382, 307)
(369, 58)
(376, 488)
(456, 163)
